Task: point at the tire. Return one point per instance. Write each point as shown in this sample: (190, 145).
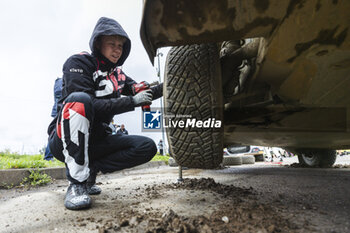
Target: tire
(317, 158)
(259, 158)
(248, 159)
(328, 159)
(238, 149)
(232, 160)
(193, 87)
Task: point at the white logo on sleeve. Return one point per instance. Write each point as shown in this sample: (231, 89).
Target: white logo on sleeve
(74, 70)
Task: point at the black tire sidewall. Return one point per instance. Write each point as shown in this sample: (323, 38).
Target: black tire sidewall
(320, 157)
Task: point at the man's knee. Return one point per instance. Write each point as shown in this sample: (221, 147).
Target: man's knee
(81, 103)
(151, 150)
(80, 97)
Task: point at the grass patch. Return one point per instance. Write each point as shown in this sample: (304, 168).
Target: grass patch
(13, 160)
(159, 157)
(36, 178)
(10, 160)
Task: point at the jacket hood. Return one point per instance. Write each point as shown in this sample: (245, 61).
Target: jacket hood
(108, 27)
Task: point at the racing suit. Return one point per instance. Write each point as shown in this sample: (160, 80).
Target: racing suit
(91, 96)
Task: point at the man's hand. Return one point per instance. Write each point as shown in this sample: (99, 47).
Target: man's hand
(143, 98)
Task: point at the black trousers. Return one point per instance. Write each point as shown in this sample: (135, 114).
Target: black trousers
(70, 144)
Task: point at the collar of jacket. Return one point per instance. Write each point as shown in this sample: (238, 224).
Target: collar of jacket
(103, 63)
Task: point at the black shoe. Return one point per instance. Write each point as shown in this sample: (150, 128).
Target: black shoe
(91, 186)
(77, 197)
(93, 189)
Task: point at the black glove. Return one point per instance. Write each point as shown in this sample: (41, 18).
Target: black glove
(157, 91)
(143, 98)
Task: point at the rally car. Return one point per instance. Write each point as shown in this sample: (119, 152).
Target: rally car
(275, 73)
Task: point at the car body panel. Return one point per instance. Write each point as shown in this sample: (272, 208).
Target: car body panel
(170, 23)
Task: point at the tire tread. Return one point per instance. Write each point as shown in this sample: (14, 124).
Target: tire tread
(193, 87)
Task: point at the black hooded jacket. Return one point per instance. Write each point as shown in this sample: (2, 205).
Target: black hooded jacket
(95, 75)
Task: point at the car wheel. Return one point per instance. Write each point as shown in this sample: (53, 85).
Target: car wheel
(232, 160)
(328, 159)
(193, 87)
(248, 159)
(317, 158)
(259, 158)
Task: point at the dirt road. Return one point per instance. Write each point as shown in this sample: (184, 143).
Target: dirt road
(249, 198)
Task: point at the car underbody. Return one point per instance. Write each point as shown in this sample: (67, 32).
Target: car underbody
(294, 67)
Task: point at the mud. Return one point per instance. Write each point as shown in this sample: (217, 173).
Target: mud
(238, 212)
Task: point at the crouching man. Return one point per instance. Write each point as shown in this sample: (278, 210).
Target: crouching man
(91, 96)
